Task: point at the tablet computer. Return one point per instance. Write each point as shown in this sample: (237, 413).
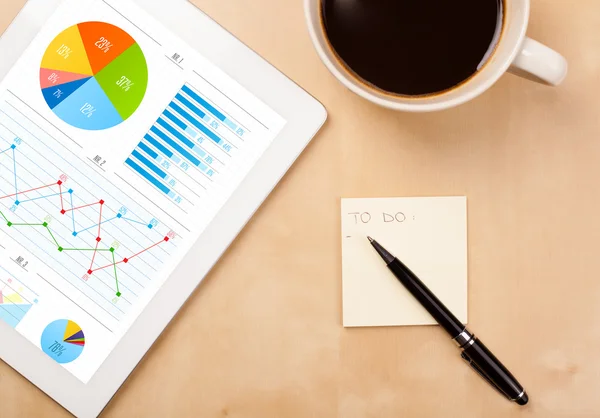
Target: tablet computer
(136, 141)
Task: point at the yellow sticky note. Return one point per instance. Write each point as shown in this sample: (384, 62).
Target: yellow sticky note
(428, 234)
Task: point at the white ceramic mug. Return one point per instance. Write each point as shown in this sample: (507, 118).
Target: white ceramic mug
(515, 53)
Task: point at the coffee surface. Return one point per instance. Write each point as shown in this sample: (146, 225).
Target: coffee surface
(413, 47)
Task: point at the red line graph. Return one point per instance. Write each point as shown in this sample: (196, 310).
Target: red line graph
(95, 249)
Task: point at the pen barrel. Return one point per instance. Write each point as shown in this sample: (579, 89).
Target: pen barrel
(429, 301)
(482, 359)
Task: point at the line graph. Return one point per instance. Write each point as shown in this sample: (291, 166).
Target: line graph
(56, 193)
(36, 164)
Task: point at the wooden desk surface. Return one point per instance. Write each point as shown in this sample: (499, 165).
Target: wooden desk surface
(268, 341)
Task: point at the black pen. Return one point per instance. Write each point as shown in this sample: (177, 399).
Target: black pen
(473, 350)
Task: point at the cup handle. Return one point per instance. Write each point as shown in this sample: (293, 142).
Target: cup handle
(539, 63)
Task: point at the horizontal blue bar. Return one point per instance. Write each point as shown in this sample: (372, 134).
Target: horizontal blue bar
(147, 150)
(203, 102)
(158, 145)
(182, 113)
(190, 106)
(209, 133)
(147, 176)
(188, 143)
(230, 124)
(175, 145)
(149, 164)
(199, 151)
(191, 132)
(175, 120)
(199, 126)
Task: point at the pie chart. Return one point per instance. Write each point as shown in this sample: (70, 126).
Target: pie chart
(93, 75)
(63, 340)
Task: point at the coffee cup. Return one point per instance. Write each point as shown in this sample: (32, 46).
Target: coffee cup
(512, 52)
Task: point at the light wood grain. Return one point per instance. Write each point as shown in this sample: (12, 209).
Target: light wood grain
(267, 341)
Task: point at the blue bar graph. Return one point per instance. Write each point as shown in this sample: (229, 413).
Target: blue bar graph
(148, 176)
(174, 119)
(204, 103)
(148, 150)
(203, 167)
(190, 106)
(167, 153)
(150, 165)
(229, 123)
(159, 146)
(198, 125)
(209, 133)
(176, 133)
(211, 109)
(176, 146)
(178, 136)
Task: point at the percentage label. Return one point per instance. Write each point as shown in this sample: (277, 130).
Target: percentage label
(125, 83)
(57, 348)
(87, 110)
(103, 44)
(53, 78)
(64, 51)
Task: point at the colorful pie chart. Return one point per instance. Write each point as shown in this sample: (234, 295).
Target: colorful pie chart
(93, 75)
(63, 340)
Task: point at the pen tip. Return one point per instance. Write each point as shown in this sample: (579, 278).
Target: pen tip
(370, 239)
(523, 399)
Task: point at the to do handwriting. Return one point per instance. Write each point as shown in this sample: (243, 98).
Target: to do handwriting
(366, 217)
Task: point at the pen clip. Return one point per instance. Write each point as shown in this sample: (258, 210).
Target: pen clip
(481, 373)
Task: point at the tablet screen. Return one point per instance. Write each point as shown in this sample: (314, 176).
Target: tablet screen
(118, 146)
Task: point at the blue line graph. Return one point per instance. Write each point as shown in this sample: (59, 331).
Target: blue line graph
(42, 158)
(103, 219)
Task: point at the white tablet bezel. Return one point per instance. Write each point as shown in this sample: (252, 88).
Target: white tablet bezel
(305, 117)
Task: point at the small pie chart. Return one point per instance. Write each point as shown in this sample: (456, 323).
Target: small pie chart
(63, 340)
(93, 75)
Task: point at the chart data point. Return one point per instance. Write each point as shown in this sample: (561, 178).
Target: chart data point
(13, 146)
(119, 215)
(63, 211)
(102, 202)
(98, 239)
(89, 272)
(45, 224)
(70, 191)
(17, 202)
(9, 224)
(118, 294)
(74, 234)
(166, 239)
(111, 249)
(60, 249)
(125, 260)
(59, 182)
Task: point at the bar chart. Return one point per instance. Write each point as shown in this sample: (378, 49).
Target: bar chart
(16, 298)
(188, 148)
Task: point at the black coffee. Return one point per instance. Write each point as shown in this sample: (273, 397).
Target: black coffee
(413, 47)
